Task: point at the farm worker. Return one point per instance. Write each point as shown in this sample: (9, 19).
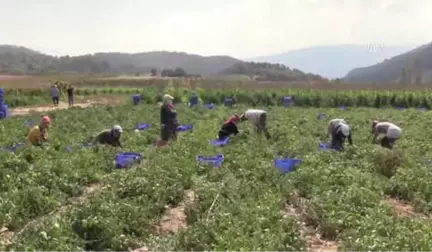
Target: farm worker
(169, 122)
(333, 123)
(391, 133)
(339, 131)
(109, 136)
(69, 91)
(229, 127)
(258, 118)
(39, 134)
(55, 94)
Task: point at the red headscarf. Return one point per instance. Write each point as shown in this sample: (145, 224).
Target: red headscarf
(234, 118)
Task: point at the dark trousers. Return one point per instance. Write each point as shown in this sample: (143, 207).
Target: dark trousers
(168, 132)
(387, 142)
(70, 100)
(337, 140)
(55, 100)
(262, 125)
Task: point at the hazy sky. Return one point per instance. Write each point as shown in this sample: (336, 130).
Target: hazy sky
(240, 28)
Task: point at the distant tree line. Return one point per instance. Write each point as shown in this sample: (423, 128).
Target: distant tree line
(270, 72)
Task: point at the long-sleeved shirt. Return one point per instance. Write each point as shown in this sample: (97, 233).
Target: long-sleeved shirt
(37, 135)
(338, 136)
(168, 115)
(389, 129)
(55, 92)
(333, 124)
(253, 115)
(70, 91)
(106, 137)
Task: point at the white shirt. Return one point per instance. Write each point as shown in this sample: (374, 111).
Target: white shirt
(253, 115)
(334, 123)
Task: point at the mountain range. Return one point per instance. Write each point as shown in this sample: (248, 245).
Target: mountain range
(335, 61)
(352, 62)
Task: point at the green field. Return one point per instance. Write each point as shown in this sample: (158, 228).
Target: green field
(52, 199)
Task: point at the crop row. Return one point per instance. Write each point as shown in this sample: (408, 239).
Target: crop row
(238, 207)
(302, 97)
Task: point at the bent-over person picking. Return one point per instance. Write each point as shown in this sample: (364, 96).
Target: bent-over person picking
(258, 118)
(109, 136)
(339, 131)
(391, 133)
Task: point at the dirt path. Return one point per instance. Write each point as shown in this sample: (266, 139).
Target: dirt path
(21, 111)
(174, 219)
(313, 239)
(94, 101)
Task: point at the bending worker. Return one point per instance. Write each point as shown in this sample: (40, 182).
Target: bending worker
(391, 133)
(258, 118)
(339, 131)
(229, 127)
(169, 122)
(109, 136)
(39, 133)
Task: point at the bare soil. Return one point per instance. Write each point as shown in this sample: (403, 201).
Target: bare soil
(96, 101)
(313, 239)
(174, 218)
(403, 209)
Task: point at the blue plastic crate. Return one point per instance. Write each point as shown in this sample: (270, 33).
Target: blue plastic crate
(193, 101)
(29, 123)
(228, 102)
(143, 126)
(14, 147)
(210, 106)
(218, 142)
(326, 146)
(421, 109)
(401, 108)
(287, 101)
(86, 145)
(322, 116)
(185, 127)
(136, 99)
(127, 159)
(215, 161)
(286, 165)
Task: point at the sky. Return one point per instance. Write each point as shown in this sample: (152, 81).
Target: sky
(239, 28)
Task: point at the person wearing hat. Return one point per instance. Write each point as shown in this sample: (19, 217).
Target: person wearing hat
(391, 133)
(258, 118)
(332, 125)
(229, 127)
(39, 133)
(169, 122)
(109, 136)
(339, 130)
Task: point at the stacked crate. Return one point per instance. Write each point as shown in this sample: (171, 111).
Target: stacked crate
(4, 108)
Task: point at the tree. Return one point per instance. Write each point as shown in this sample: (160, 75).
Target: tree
(153, 72)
